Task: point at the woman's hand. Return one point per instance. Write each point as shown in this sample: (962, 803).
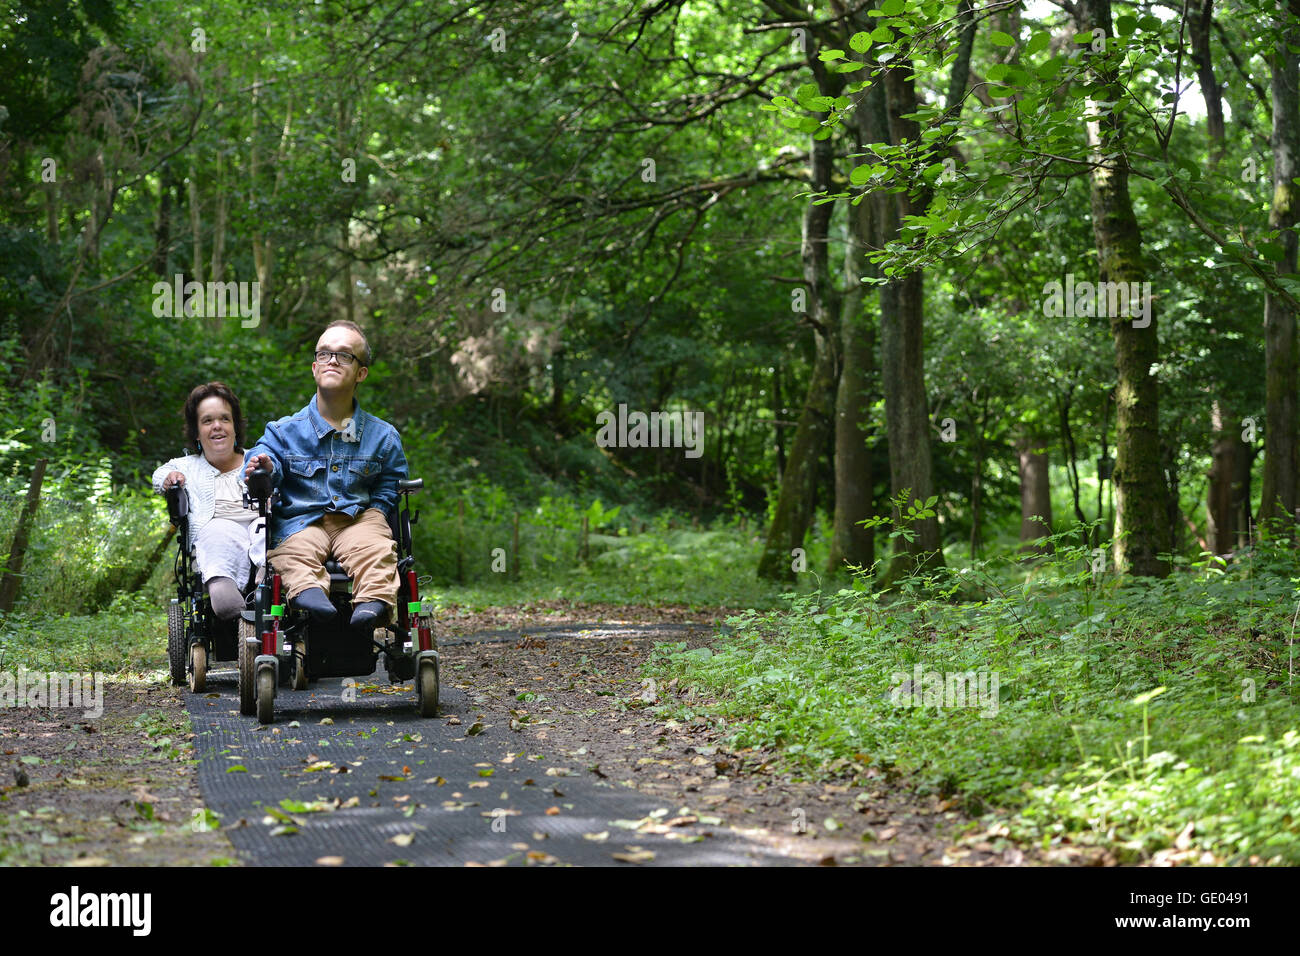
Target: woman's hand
(173, 478)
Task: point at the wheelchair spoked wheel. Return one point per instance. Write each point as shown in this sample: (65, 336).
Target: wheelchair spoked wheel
(299, 665)
(247, 656)
(198, 668)
(426, 689)
(176, 642)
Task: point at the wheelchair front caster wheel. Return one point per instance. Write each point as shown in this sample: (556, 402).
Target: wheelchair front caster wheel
(249, 648)
(198, 668)
(266, 695)
(426, 689)
(299, 666)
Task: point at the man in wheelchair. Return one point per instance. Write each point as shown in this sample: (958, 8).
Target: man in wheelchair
(338, 470)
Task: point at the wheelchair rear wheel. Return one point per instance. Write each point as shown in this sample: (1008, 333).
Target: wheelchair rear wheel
(176, 654)
(247, 655)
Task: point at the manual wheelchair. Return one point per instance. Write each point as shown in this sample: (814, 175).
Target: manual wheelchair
(196, 637)
(279, 644)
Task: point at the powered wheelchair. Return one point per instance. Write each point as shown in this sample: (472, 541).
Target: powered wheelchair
(282, 645)
(196, 637)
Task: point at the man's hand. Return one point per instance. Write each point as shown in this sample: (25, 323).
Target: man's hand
(258, 461)
(173, 478)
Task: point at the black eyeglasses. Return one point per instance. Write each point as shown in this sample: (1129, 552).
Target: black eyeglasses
(343, 358)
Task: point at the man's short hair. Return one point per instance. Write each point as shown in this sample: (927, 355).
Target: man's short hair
(353, 327)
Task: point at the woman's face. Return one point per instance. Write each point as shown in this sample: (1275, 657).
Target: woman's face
(216, 428)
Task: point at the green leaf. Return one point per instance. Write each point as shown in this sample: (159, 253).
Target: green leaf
(892, 8)
(860, 43)
(997, 71)
(1126, 25)
(1049, 69)
(998, 38)
(1038, 41)
(827, 55)
(882, 34)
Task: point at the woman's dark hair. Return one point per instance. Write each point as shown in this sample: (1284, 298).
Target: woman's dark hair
(211, 389)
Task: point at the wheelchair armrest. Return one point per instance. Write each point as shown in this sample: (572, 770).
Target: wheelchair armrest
(178, 504)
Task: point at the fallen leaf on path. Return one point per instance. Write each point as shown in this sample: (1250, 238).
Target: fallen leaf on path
(402, 839)
(639, 856)
(329, 861)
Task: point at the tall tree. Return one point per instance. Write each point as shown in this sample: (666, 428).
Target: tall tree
(1141, 525)
(1281, 439)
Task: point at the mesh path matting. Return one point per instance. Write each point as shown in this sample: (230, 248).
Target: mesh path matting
(380, 752)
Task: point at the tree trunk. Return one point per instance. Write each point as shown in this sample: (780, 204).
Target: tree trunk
(1035, 495)
(13, 574)
(196, 226)
(162, 232)
(1281, 451)
(52, 213)
(218, 268)
(795, 505)
(1227, 497)
(1141, 521)
(850, 542)
(1063, 406)
(977, 486)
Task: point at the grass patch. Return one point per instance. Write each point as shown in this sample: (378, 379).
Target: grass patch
(699, 569)
(128, 639)
(1123, 713)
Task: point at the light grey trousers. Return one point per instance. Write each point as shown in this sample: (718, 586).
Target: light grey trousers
(230, 549)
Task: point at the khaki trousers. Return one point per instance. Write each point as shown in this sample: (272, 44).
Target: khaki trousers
(363, 545)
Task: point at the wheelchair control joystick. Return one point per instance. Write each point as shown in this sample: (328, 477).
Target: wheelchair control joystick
(259, 484)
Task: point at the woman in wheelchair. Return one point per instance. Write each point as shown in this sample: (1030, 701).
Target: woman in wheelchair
(226, 539)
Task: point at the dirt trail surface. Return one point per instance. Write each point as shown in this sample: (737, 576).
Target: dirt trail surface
(113, 790)
(547, 751)
(544, 753)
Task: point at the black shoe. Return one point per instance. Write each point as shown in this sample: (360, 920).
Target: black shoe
(370, 614)
(317, 602)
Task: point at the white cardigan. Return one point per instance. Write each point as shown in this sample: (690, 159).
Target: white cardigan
(200, 484)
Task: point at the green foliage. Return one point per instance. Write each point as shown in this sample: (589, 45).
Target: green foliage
(88, 542)
(1124, 711)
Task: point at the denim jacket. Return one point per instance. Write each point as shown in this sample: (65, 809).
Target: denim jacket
(320, 469)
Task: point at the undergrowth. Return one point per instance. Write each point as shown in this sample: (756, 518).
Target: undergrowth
(1145, 716)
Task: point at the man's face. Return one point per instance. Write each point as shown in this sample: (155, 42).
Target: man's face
(331, 375)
